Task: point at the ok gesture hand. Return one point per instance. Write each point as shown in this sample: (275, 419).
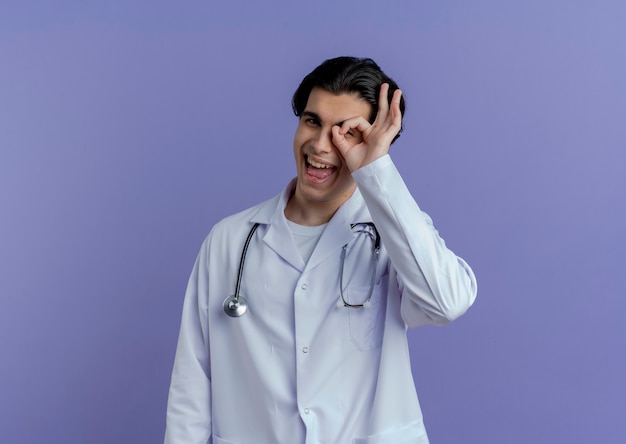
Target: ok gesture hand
(375, 138)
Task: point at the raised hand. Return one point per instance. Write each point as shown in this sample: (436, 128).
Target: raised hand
(360, 142)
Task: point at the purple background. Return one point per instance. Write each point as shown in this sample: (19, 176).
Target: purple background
(128, 128)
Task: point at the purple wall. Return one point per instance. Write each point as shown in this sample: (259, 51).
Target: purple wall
(128, 128)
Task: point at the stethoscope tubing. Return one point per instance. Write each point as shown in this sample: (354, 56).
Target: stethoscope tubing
(242, 261)
(235, 305)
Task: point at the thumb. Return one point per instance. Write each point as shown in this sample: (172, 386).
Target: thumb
(339, 140)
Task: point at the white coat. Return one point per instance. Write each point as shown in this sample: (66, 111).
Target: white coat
(297, 367)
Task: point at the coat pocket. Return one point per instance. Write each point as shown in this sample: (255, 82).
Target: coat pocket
(367, 323)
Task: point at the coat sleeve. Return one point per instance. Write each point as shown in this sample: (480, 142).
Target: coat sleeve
(436, 285)
(189, 402)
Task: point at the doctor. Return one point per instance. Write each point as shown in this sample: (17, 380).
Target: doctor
(314, 348)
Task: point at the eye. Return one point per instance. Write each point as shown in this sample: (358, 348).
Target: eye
(311, 121)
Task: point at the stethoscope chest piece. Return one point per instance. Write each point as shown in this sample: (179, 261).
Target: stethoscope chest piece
(235, 306)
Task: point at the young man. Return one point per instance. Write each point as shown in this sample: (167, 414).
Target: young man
(311, 347)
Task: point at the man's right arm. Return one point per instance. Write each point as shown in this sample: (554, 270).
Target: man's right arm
(189, 402)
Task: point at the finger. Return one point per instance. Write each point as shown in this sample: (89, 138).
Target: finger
(354, 125)
(339, 140)
(396, 113)
(383, 102)
(395, 100)
(350, 133)
(391, 119)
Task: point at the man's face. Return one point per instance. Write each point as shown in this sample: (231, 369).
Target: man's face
(323, 178)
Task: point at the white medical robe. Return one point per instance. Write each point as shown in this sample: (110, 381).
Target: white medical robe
(298, 367)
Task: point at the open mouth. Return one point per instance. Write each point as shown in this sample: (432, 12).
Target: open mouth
(317, 171)
(315, 164)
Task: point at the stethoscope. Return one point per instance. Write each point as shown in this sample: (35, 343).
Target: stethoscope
(236, 305)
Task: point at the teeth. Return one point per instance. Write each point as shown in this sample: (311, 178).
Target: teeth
(316, 164)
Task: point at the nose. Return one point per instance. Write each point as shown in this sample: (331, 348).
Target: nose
(323, 141)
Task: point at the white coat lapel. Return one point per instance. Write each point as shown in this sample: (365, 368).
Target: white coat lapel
(278, 237)
(338, 231)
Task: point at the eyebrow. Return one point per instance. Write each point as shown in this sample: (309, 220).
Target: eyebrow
(310, 114)
(317, 117)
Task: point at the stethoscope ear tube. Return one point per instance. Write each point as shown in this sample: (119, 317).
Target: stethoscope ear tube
(235, 305)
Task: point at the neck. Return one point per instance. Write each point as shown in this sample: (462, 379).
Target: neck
(311, 213)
